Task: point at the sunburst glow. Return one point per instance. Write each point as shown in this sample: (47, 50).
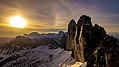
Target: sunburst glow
(18, 21)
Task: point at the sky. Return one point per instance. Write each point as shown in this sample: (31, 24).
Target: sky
(46, 16)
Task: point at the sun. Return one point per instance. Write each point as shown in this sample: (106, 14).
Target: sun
(17, 21)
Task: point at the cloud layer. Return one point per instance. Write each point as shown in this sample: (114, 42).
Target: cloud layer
(54, 15)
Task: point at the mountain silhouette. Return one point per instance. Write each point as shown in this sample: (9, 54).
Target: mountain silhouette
(91, 44)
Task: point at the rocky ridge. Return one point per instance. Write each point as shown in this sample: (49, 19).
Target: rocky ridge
(90, 43)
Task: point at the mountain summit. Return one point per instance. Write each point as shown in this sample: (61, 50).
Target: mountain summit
(91, 44)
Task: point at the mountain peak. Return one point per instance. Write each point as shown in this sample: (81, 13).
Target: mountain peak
(91, 43)
(85, 20)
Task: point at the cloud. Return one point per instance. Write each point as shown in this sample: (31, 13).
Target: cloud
(54, 15)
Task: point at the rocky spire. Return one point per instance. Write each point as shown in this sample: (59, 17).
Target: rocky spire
(86, 40)
(91, 44)
(85, 20)
(71, 34)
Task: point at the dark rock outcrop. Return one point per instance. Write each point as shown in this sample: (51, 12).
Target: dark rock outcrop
(91, 44)
(85, 20)
(71, 34)
(87, 38)
(106, 54)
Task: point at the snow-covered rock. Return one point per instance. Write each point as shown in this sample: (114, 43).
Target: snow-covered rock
(40, 56)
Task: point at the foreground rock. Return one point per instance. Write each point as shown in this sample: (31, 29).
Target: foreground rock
(106, 54)
(71, 34)
(91, 44)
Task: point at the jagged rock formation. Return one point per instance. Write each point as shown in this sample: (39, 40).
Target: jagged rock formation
(85, 20)
(84, 40)
(106, 54)
(71, 34)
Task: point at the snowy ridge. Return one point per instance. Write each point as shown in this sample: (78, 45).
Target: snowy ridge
(40, 56)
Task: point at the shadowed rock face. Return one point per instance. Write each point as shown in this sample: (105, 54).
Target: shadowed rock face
(91, 44)
(87, 38)
(85, 20)
(106, 54)
(71, 34)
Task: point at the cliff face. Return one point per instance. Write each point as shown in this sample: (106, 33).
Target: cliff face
(106, 54)
(71, 34)
(84, 40)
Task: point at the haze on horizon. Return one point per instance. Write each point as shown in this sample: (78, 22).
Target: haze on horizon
(54, 15)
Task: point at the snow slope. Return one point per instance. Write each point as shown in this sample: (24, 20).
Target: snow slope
(40, 56)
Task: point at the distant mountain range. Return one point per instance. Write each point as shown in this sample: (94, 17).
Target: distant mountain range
(29, 41)
(48, 35)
